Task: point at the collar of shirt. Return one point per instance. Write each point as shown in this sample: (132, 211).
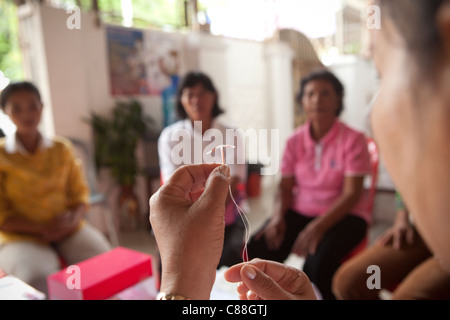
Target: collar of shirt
(188, 124)
(330, 136)
(13, 145)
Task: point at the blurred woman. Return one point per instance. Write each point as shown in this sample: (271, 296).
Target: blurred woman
(43, 196)
(322, 216)
(198, 107)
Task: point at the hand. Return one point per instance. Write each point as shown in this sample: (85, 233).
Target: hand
(63, 225)
(274, 233)
(268, 280)
(187, 217)
(400, 233)
(310, 237)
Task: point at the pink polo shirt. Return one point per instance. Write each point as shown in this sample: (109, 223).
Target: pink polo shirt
(319, 168)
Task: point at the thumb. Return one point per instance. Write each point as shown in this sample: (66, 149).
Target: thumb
(262, 285)
(216, 188)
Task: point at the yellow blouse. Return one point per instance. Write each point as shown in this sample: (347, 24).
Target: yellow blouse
(40, 186)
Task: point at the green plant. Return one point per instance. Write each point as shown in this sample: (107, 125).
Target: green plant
(116, 138)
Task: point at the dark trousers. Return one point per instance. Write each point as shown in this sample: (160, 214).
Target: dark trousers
(335, 245)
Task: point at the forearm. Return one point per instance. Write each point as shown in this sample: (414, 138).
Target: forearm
(339, 210)
(79, 211)
(22, 226)
(286, 202)
(286, 198)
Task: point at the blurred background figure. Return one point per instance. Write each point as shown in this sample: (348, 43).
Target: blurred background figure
(197, 106)
(322, 216)
(43, 196)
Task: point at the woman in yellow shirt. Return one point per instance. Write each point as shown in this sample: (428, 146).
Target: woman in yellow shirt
(43, 196)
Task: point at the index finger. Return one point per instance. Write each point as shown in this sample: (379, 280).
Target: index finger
(287, 278)
(187, 179)
(273, 269)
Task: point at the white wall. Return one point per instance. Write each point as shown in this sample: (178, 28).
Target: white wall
(360, 81)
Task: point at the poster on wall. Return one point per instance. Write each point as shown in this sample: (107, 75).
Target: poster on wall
(145, 62)
(127, 70)
(162, 52)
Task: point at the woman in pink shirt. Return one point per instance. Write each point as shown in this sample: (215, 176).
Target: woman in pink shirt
(323, 214)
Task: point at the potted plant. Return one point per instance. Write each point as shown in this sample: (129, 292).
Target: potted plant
(115, 140)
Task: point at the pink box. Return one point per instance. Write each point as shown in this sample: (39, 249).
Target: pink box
(100, 277)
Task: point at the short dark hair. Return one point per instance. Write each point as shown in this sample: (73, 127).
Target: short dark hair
(17, 86)
(190, 80)
(323, 74)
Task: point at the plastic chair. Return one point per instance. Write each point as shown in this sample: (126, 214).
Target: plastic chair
(371, 192)
(96, 197)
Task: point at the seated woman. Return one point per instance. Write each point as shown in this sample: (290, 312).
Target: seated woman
(406, 263)
(198, 107)
(323, 216)
(43, 196)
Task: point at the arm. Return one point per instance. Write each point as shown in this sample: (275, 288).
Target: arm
(64, 225)
(310, 237)
(401, 231)
(274, 232)
(350, 195)
(22, 226)
(77, 195)
(192, 198)
(10, 222)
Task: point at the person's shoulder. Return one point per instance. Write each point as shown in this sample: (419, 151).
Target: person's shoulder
(166, 132)
(299, 132)
(180, 124)
(353, 137)
(61, 144)
(296, 138)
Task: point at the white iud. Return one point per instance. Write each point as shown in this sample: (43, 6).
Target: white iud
(221, 147)
(189, 149)
(241, 212)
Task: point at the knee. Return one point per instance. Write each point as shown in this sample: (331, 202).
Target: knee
(347, 283)
(35, 273)
(341, 284)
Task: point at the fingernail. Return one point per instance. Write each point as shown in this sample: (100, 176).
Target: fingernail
(225, 170)
(249, 272)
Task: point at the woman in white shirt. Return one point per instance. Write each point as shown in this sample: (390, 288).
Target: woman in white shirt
(189, 140)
